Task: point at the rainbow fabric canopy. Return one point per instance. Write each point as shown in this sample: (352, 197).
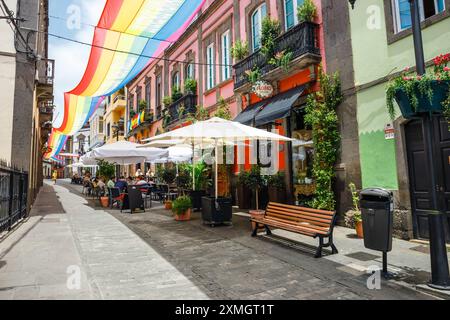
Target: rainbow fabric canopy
(129, 34)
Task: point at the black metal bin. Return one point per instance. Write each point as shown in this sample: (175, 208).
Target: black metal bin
(377, 208)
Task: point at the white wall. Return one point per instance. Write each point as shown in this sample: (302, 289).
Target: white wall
(7, 83)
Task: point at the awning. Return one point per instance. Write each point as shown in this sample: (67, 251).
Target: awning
(248, 114)
(279, 107)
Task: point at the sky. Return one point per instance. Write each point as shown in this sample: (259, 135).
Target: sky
(71, 19)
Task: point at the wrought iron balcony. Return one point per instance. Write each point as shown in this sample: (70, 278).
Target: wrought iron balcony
(181, 108)
(301, 40)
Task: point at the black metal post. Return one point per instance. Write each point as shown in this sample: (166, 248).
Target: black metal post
(440, 278)
(11, 196)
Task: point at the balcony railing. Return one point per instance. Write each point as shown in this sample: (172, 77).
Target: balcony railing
(45, 71)
(188, 102)
(300, 40)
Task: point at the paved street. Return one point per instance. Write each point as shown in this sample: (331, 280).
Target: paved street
(150, 256)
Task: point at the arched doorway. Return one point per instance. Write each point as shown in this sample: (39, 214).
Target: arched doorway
(419, 177)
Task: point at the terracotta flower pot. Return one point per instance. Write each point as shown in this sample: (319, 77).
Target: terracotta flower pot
(258, 215)
(168, 205)
(186, 216)
(104, 201)
(359, 229)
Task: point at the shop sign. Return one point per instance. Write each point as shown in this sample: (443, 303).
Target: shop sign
(389, 132)
(263, 89)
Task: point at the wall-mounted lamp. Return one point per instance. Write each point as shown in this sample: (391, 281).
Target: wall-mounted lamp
(352, 3)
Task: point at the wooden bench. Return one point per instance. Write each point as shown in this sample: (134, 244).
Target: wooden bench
(306, 221)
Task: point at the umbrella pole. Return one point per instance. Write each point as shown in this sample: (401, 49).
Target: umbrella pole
(193, 167)
(216, 172)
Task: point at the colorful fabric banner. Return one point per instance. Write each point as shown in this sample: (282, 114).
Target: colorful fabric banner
(129, 34)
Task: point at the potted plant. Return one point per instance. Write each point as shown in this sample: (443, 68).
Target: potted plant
(105, 170)
(168, 175)
(270, 30)
(176, 94)
(181, 207)
(142, 105)
(255, 181)
(417, 94)
(202, 182)
(190, 86)
(167, 101)
(353, 217)
(239, 50)
(307, 11)
(277, 187)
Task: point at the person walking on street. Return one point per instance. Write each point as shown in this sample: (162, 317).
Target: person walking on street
(54, 176)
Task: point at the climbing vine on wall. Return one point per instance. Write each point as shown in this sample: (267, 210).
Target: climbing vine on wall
(322, 117)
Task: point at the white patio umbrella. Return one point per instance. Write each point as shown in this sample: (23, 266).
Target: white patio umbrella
(125, 153)
(222, 132)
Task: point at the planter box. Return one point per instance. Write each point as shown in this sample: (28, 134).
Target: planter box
(440, 89)
(184, 217)
(216, 215)
(196, 197)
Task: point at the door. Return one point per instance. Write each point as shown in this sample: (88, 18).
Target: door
(419, 176)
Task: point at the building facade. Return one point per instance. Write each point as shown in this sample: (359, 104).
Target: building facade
(97, 128)
(203, 53)
(27, 88)
(114, 117)
(397, 162)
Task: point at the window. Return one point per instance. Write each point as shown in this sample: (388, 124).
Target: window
(176, 80)
(402, 12)
(210, 74)
(226, 70)
(100, 124)
(138, 97)
(148, 95)
(290, 12)
(190, 71)
(108, 130)
(158, 94)
(256, 20)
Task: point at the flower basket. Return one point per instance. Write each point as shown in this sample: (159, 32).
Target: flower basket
(440, 94)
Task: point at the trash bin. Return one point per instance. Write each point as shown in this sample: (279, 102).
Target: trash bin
(377, 208)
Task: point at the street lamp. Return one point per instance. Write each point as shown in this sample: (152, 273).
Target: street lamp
(440, 278)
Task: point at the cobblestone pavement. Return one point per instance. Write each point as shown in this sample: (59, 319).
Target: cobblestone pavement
(226, 263)
(64, 236)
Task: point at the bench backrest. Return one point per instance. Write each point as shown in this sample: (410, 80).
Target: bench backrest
(298, 215)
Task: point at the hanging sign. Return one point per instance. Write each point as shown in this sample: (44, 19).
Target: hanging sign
(263, 89)
(389, 132)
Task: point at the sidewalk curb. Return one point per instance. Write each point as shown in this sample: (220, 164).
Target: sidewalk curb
(445, 295)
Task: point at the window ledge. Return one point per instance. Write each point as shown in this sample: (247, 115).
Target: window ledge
(394, 37)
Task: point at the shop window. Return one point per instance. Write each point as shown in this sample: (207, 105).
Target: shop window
(302, 158)
(402, 12)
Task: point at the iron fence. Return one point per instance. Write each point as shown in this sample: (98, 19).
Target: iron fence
(13, 196)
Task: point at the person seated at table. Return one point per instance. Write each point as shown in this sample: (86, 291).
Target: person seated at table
(141, 181)
(111, 182)
(130, 180)
(101, 187)
(121, 184)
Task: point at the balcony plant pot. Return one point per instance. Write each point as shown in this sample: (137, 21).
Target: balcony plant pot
(213, 214)
(359, 229)
(104, 201)
(186, 216)
(440, 93)
(196, 197)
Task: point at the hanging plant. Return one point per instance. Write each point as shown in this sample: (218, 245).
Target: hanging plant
(307, 11)
(270, 31)
(239, 50)
(427, 93)
(322, 117)
(282, 59)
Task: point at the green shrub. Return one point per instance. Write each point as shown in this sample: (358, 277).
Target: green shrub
(307, 11)
(190, 86)
(270, 30)
(277, 181)
(181, 205)
(105, 169)
(239, 50)
(167, 101)
(176, 94)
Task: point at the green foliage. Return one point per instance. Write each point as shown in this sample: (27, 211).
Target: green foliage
(105, 169)
(176, 94)
(201, 114)
(167, 101)
(142, 105)
(167, 119)
(201, 174)
(223, 110)
(239, 50)
(183, 179)
(190, 86)
(307, 11)
(270, 30)
(181, 205)
(253, 75)
(167, 174)
(132, 113)
(277, 181)
(446, 107)
(322, 117)
(282, 59)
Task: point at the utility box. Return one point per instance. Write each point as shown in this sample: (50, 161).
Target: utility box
(377, 208)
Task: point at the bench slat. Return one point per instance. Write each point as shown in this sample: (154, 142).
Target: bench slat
(299, 211)
(294, 228)
(297, 217)
(302, 225)
(295, 208)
